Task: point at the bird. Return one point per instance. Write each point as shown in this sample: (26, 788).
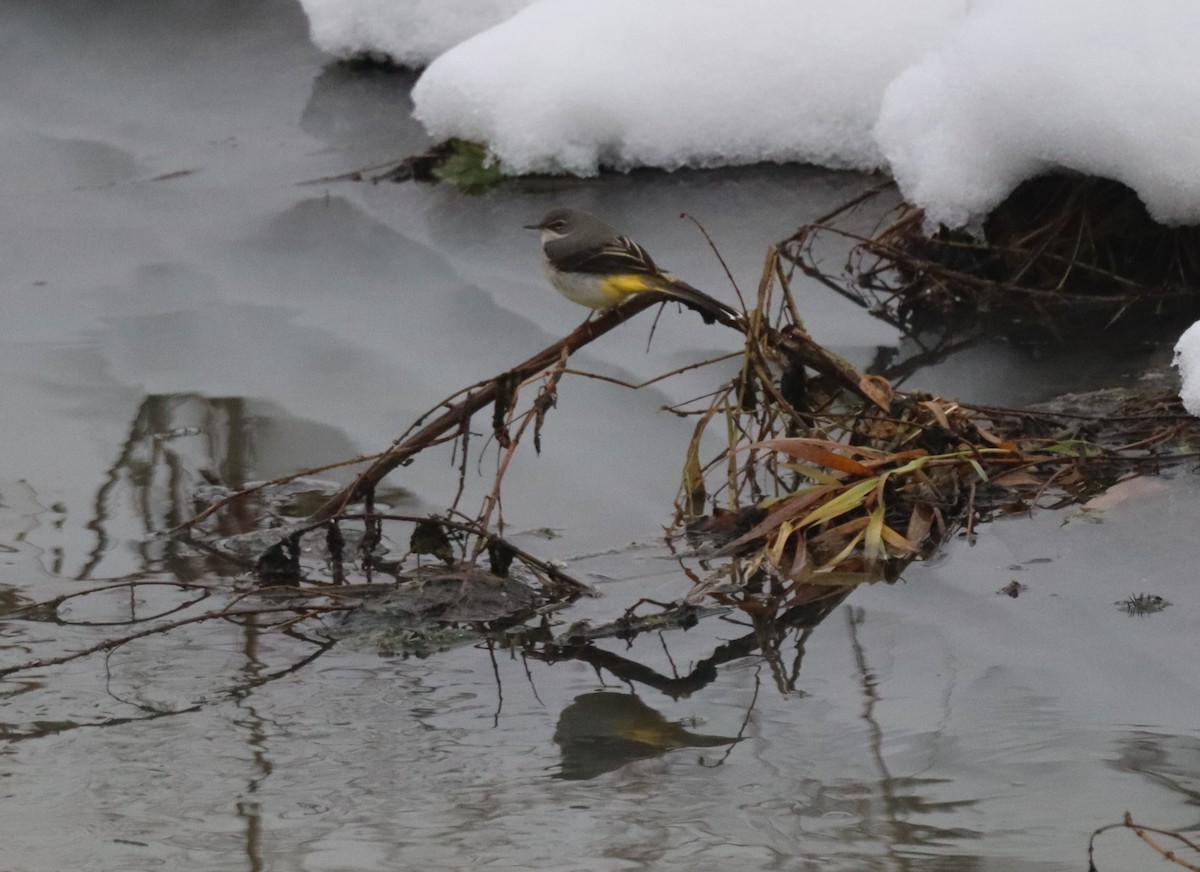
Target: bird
(592, 263)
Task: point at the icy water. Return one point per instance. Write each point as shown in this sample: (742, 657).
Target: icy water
(183, 301)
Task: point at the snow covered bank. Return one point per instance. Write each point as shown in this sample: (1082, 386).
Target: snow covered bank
(410, 32)
(1187, 359)
(571, 85)
(960, 99)
(1021, 87)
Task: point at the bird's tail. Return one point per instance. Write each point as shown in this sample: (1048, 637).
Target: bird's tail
(710, 309)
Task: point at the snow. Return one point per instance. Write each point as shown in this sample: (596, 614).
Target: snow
(1022, 87)
(572, 85)
(410, 32)
(1187, 359)
(960, 100)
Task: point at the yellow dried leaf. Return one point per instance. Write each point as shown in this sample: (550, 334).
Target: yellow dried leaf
(851, 498)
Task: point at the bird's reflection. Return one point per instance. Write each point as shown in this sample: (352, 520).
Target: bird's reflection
(602, 731)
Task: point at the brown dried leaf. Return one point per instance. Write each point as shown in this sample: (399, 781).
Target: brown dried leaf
(841, 531)
(935, 408)
(898, 457)
(784, 510)
(800, 558)
(878, 389)
(920, 522)
(694, 494)
(1018, 478)
(993, 439)
(815, 451)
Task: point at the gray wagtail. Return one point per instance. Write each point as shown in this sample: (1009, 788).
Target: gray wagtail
(592, 264)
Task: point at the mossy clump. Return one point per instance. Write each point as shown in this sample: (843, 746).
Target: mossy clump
(459, 162)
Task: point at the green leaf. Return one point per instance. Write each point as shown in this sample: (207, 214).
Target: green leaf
(1074, 448)
(468, 166)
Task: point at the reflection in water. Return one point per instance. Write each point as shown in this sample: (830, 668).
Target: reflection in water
(366, 111)
(173, 439)
(1169, 761)
(602, 731)
(249, 808)
(179, 449)
(771, 630)
(897, 801)
(178, 441)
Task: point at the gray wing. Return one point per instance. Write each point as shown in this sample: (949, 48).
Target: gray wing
(620, 255)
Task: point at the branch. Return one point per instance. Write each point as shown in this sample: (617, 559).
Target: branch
(457, 413)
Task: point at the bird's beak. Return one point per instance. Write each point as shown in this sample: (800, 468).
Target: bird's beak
(532, 226)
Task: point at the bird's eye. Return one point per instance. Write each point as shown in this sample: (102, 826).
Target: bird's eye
(558, 225)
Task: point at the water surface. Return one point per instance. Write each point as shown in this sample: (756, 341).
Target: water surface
(180, 303)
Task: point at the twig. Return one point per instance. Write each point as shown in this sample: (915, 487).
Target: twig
(1142, 832)
(457, 413)
(492, 500)
(253, 489)
(554, 573)
(721, 260)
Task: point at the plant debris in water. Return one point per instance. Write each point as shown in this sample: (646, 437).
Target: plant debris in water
(1141, 604)
(826, 478)
(1064, 254)
(459, 162)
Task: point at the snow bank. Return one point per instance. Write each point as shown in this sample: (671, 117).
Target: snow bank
(960, 99)
(1187, 358)
(570, 85)
(1106, 87)
(410, 32)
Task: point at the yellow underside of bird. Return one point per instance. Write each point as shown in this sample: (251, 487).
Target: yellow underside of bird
(604, 291)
